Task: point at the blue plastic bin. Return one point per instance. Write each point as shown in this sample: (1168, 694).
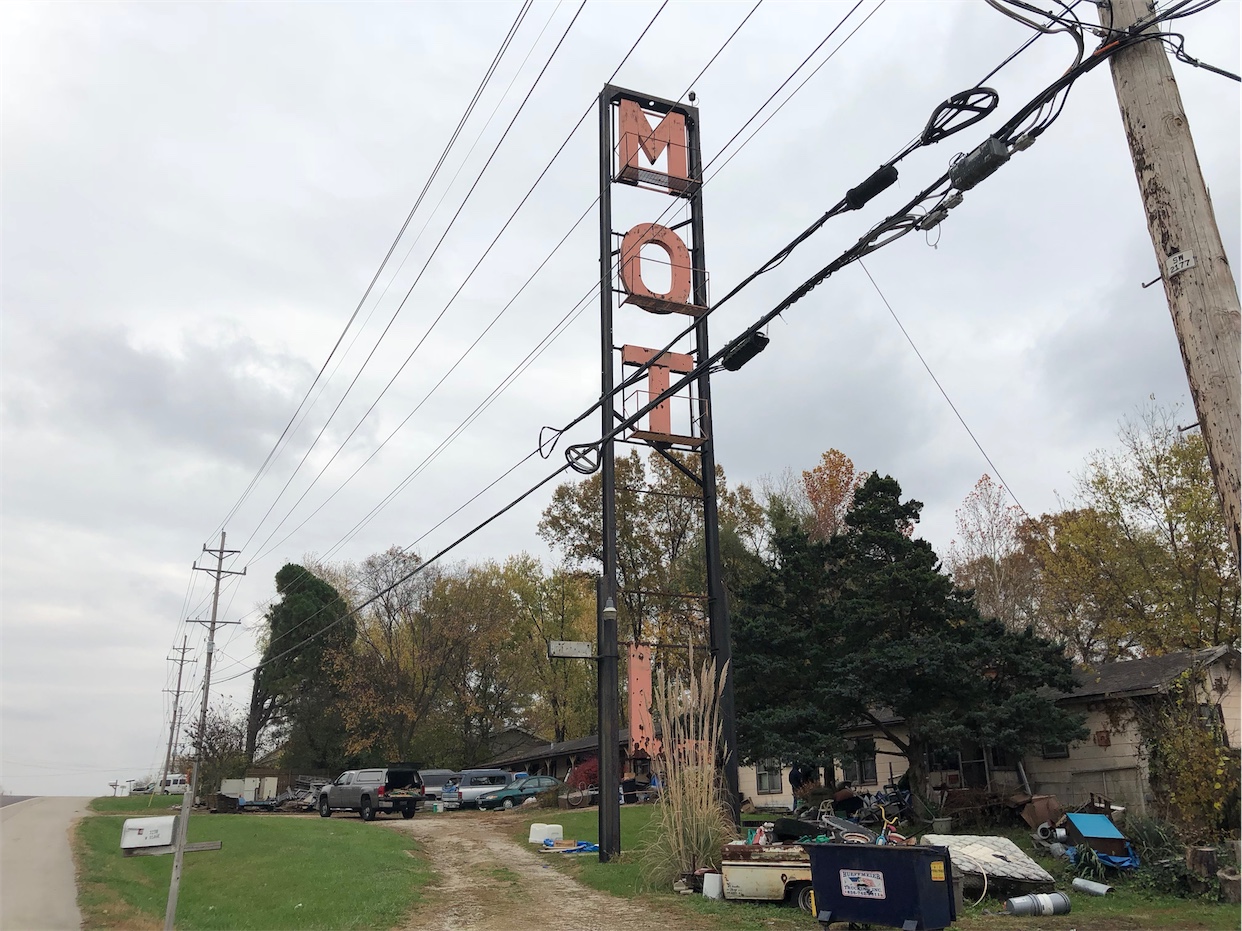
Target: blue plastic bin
(896, 886)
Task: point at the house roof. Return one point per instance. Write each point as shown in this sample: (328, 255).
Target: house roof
(1130, 678)
(1136, 677)
(551, 750)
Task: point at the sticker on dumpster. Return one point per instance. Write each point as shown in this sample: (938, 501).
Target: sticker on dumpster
(862, 884)
(937, 871)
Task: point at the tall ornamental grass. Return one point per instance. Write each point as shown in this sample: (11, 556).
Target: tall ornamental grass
(694, 820)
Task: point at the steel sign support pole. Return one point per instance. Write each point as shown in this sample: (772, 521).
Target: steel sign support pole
(719, 635)
(608, 678)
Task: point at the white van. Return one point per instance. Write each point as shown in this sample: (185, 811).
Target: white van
(173, 784)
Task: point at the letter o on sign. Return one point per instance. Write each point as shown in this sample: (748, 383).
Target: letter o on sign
(678, 256)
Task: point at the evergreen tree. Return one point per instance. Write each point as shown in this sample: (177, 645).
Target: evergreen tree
(864, 628)
(295, 687)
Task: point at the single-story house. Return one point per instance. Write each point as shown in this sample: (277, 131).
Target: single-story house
(1111, 762)
(557, 759)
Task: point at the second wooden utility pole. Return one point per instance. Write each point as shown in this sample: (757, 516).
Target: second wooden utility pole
(1199, 285)
(172, 730)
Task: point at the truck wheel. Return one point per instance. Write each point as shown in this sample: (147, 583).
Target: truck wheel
(407, 813)
(800, 896)
(325, 810)
(367, 811)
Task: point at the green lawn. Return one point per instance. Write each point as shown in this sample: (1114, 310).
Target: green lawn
(274, 871)
(1130, 907)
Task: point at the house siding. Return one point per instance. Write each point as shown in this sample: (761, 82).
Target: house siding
(1116, 770)
(748, 784)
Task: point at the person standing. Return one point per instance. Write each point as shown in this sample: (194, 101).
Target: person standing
(796, 780)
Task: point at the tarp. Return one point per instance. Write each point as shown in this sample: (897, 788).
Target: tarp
(1130, 862)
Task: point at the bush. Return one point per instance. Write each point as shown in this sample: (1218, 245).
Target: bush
(548, 798)
(584, 775)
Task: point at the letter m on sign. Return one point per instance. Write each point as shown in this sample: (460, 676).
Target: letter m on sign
(667, 138)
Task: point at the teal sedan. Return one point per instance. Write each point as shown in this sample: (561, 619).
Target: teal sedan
(515, 793)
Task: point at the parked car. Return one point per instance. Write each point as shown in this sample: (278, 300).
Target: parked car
(434, 781)
(398, 788)
(471, 784)
(515, 793)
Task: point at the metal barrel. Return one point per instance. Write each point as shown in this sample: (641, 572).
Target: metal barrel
(1054, 903)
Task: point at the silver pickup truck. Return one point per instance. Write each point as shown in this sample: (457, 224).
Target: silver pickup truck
(370, 791)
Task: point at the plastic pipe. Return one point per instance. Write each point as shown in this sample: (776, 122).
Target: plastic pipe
(1091, 888)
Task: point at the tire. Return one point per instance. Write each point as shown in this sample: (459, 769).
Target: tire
(507, 804)
(325, 810)
(575, 797)
(366, 810)
(407, 813)
(800, 897)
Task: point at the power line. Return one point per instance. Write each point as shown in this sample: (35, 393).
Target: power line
(591, 291)
(894, 227)
(503, 309)
(491, 70)
(469, 276)
(616, 70)
(579, 220)
(958, 414)
(400, 306)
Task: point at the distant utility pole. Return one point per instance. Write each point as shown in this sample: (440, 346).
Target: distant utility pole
(187, 802)
(1198, 283)
(172, 730)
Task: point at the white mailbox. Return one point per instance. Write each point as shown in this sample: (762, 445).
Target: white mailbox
(148, 832)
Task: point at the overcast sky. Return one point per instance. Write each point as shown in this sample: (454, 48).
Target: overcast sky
(195, 197)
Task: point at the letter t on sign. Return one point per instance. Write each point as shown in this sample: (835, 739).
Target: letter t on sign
(660, 420)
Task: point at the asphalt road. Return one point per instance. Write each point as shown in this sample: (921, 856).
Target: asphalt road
(37, 889)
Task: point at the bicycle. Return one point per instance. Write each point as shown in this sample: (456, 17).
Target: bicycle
(577, 796)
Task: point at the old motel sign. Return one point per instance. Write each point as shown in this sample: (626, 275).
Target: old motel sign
(653, 265)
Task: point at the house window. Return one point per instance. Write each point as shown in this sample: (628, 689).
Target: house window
(768, 778)
(1056, 751)
(1001, 759)
(858, 766)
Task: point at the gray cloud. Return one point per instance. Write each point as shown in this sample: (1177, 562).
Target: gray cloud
(196, 196)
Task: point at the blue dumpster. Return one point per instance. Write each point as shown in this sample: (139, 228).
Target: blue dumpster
(878, 884)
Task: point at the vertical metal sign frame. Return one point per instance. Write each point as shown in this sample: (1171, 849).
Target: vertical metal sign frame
(717, 603)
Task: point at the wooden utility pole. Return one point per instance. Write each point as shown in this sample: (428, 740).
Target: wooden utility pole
(187, 802)
(1198, 282)
(172, 730)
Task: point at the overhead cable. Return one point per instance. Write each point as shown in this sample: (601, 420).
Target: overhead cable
(491, 70)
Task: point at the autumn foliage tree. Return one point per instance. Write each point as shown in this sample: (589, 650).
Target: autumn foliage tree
(1138, 563)
(556, 606)
(660, 556)
(405, 658)
(830, 488)
(988, 558)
